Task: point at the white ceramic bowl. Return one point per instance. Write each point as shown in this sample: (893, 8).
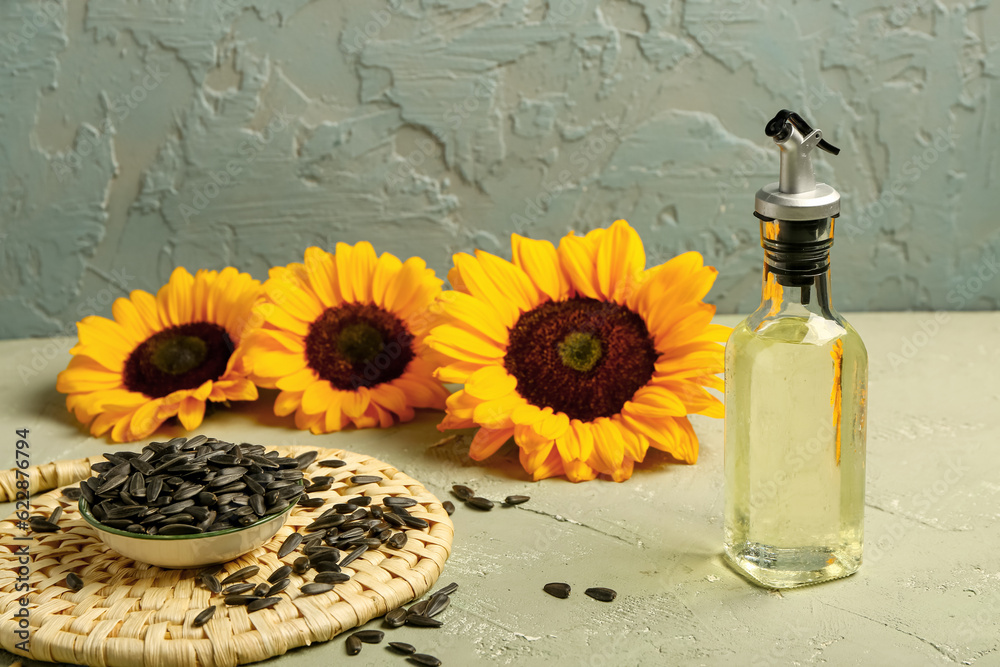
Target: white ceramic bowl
(188, 551)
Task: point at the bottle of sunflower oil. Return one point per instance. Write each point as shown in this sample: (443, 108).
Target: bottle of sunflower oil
(796, 386)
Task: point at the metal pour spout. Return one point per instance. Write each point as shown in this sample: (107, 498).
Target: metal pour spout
(796, 195)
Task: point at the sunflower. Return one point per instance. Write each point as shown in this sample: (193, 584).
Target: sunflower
(162, 356)
(343, 339)
(580, 354)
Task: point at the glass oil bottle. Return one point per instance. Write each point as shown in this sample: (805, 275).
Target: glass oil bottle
(796, 384)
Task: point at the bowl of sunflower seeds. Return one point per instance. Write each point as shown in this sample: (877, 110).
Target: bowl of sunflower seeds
(192, 502)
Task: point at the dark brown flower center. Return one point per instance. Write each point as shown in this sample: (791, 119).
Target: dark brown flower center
(181, 357)
(358, 345)
(581, 356)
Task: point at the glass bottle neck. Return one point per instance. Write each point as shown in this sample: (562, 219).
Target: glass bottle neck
(799, 295)
(796, 279)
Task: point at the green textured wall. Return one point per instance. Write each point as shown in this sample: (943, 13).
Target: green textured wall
(137, 136)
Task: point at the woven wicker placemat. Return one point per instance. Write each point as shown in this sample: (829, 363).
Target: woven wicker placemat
(133, 614)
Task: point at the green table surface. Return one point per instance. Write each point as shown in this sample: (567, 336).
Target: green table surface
(927, 594)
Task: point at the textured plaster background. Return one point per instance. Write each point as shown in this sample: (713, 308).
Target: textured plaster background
(138, 135)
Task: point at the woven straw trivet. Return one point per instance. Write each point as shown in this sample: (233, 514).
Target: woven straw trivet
(133, 614)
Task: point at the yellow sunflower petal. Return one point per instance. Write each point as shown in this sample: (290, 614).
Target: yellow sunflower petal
(322, 276)
(620, 259)
(578, 471)
(191, 412)
(287, 402)
(293, 300)
(355, 402)
(577, 256)
(174, 300)
(487, 441)
(510, 280)
(540, 262)
(490, 382)
(481, 285)
(297, 381)
(474, 314)
(317, 397)
(277, 364)
(393, 399)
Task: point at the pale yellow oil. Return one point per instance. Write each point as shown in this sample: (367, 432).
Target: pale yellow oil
(794, 496)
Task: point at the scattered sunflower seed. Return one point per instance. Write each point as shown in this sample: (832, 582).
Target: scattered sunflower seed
(277, 587)
(462, 492)
(262, 603)
(402, 648)
(73, 581)
(370, 636)
(72, 493)
(516, 500)
(332, 463)
(41, 525)
(480, 503)
(559, 590)
(422, 621)
(204, 617)
(366, 479)
(449, 507)
(424, 659)
(240, 599)
(353, 645)
(238, 589)
(56, 515)
(316, 589)
(280, 573)
(331, 578)
(241, 574)
(396, 617)
(602, 594)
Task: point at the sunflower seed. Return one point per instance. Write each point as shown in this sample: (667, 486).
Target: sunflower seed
(189, 492)
(516, 500)
(422, 621)
(301, 565)
(257, 504)
(176, 507)
(238, 589)
(223, 480)
(462, 492)
(424, 659)
(366, 479)
(397, 541)
(360, 501)
(261, 589)
(351, 557)
(72, 492)
(415, 522)
(73, 581)
(280, 573)
(370, 636)
(326, 566)
(399, 501)
(480, 503)
(41, 525)
(263, 603)
(602, 594)
(290, 544)
(277, 587)
(402, 648)
(240, 599)
(211, 583)
(396, 618)
(316, 589)
(332, 578)
(449, 507)
(306, 501)
(447, 590)
(436, 605)
(153, 488)
(332, 463)
(111, 484)
(394, 520)
(556, 589)
(241, 574)
(353, 645)
(418, 608)
(305, 459)
(204, 617)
